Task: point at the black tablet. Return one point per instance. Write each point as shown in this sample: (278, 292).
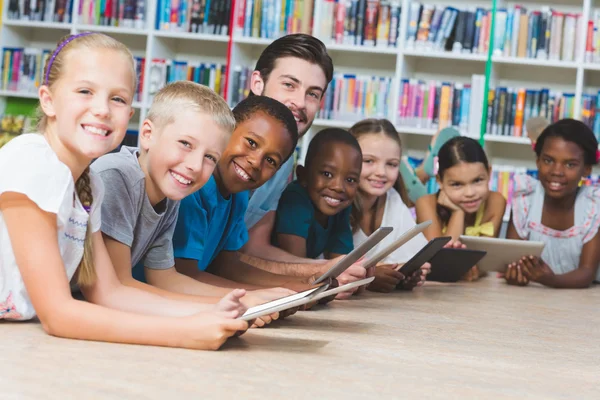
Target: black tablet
(424, 255)
(450, 265)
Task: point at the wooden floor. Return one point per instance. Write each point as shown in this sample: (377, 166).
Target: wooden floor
(481, 340)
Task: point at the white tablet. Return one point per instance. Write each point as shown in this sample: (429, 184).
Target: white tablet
(343, 288)
(355, 254)
(501, 252)
(406, 236)
(282, 304)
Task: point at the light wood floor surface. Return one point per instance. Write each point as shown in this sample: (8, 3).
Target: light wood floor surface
(481, 340)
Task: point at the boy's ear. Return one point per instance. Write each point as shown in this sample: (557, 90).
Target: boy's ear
(147, 130)
(587, 171)
(301, 174)
(257, 84)
(46, 102)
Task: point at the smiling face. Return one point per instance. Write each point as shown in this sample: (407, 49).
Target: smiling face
(332, 179)
(298, 84)
(180, 157)
(89, 106)
(380, 161)
(258, 147)
(466, 185)
(560, 167)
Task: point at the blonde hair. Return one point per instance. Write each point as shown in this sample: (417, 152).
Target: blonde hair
(53, 71)
(181, 95)
(372, 126)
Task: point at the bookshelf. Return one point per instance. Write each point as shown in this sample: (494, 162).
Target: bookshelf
(237, 48)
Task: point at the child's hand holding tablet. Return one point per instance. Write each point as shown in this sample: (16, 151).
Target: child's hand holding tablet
(324, 281)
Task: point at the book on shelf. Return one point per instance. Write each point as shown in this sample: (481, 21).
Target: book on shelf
(40, 10)
(23, 70)
(544, 34)
(195, 16)
(592, 46)
(436, 104)
(240, 84)
(439, 28)
(355, 97)
(272, 19)
(509, 108)
(121, 13)
(590, 112)
(163, 71)
(360, 22)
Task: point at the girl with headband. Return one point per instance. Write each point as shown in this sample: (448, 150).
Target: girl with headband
(50, 214)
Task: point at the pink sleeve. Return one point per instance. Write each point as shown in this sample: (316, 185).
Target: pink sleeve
(523, 190)
(592, 215)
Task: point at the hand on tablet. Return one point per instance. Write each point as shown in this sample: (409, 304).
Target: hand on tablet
(410, 282)
(354, 273)
(535, 269)
(209, 330)
(386, 278)
(514, 275)
(454, 244)
(265, 320)
(472, 275)
(232, 302)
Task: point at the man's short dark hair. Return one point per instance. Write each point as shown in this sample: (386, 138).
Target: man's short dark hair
(298, 45)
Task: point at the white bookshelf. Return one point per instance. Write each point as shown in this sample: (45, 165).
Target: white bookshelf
(399, 62)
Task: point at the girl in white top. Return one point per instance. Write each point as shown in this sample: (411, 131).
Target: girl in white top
(50, 214)
(379, 202)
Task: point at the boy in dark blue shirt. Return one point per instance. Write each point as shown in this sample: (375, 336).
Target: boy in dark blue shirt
(313, 215)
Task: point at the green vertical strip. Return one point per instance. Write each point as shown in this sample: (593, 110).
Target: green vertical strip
(488, 72)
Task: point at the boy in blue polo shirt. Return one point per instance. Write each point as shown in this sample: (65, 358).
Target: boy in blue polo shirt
(313, 216)
(210, 227)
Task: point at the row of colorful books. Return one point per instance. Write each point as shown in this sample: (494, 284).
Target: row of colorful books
(509, 108)
(432, 104)
(360, 22)
(40, 10)
(273, 18)
(163, 71)
(353, 97)
(197, 16)
(447, 28)
(542, 34)
(122, 13)
(23, 69)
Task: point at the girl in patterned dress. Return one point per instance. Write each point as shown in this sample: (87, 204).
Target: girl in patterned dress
(558, 211)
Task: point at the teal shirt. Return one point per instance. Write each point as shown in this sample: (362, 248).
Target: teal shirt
(296, 216)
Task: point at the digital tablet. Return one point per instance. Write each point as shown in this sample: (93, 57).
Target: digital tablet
(424, 255)
(450, 265)
(406, 236)
(501, 252)
(344, 288)
(284, 303)
(355, 254)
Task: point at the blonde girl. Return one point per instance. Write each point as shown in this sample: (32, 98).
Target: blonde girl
(50, 214)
